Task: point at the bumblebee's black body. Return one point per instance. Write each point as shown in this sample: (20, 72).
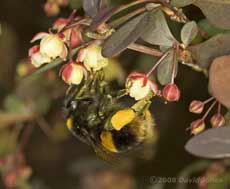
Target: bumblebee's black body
(88, 116)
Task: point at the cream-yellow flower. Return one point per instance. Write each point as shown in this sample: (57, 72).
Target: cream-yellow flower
(53, 46)
(92, 58)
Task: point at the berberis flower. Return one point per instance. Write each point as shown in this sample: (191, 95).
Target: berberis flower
(73, 73)
(38, 59)
(51, 45)
(73, 34)
(138, 85)
(92, 58)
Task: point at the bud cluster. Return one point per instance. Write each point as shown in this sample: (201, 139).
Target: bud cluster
(15, 172)
(197, 107)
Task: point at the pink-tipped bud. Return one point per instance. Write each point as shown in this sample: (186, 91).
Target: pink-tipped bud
(197, 126)
(73, 73)
(51, 8)
(76, 37)
(2, 163)
(217, 120)
(196, 107)
(10, 178)
(60, 23)
(62, 3)
(171, 93)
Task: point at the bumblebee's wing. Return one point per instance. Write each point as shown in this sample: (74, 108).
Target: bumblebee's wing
(111, 158)
(79, 137)
(107, 157)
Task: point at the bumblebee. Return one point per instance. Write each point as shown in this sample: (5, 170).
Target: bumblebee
(96, 118)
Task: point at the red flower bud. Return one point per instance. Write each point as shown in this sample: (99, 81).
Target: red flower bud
(60, 23)
(10, 179)
(51, 8)
(196, 107)
(76, 37)
(197, 126)
(171, 92)
(217, 120)
(2, 163)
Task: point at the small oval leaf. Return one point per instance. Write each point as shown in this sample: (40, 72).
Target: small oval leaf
(125, 35)
(158, 32)
(102, 16)
(217, 12)
(91, 7)
(204, 53)
(165, 69)
(189, 32)
(227, 118)
(213, 143)
(209, 29)
(181, 3)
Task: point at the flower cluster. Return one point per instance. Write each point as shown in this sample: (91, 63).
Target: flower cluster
(197, 107)
(139, 86)
(14, 170)
(51, 47)
(89, 59)
(60, 43)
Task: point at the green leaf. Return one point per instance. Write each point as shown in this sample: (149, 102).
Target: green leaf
(210, 29)
(165, 69)
(189, 32)
(8, 142)
(45, 68)
(181, 3)
(227, 118)
(125, 35)
(42, 104)
(158, 32)
(216, 11)
(75, 4)
(14, 104)
(204, 53)
(222, 181)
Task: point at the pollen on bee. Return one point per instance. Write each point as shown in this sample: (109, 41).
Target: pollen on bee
(69, 123)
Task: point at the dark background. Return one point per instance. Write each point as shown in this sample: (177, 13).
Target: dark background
(71, 164)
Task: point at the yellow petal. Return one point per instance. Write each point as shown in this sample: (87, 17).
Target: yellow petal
(122, 118)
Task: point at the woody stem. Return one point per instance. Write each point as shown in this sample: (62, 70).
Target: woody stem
(210, 99)
(174, 63)
(208, 111)
(145, 50)
(157, 63)
(119, 21)
(219, 108)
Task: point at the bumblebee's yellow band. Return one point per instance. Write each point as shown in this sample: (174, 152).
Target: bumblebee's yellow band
(69, 123)
(107, 141)
(122, 118)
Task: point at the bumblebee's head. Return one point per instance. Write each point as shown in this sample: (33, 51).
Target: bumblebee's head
(69, 107)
